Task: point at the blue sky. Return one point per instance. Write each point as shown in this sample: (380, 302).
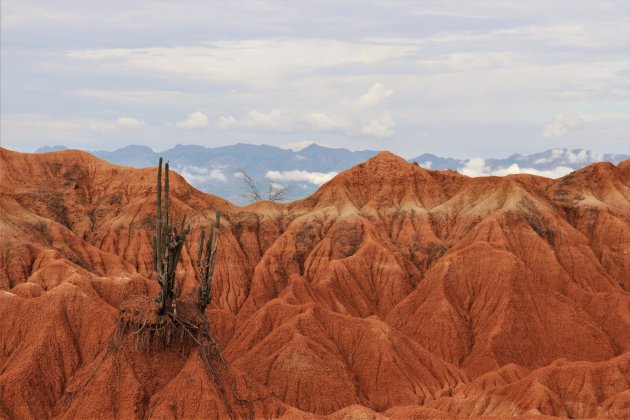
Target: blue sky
(460, 79)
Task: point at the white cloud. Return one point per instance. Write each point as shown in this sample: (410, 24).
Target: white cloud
(597, 156)
(601, 117)
(561, 124)
(275, 120)
(352, 117)
(364, 115)
(316, 178)
(555, 155)
(325, 123)
(52, 124)
(49, 123)
(128, 122)
(91, 124)
(476, 167)
(195, 120)
(200, 175)
(143, 97)
(226, 123)
(254, 61)
(584, 34)
(375, 95)
(579, 157)
(477, 78)
(26, 131)
(101, 126)
(467, 61)
(217, 174)
(381, 127)
(556, 172)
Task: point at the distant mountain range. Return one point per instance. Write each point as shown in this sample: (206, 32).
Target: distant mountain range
(214, 169)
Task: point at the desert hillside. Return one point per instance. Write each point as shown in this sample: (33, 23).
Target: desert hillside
(392, 291)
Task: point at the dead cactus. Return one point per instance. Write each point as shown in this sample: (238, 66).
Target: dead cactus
(167, 247)
(206, 266)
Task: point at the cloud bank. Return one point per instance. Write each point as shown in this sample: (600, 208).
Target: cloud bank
(483, 78)
(477, 167)
(199, 175)
(316, 178)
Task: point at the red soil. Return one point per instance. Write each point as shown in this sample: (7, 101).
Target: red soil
(393, 291)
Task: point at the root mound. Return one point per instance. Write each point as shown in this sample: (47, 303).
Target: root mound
(138, 318)
(186, 329)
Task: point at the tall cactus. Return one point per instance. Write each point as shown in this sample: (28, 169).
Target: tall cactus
(206, 266)
(167, 246)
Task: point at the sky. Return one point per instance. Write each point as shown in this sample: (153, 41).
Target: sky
(453, 78)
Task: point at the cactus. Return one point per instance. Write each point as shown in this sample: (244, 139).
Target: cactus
(167, 246)
(206, 266)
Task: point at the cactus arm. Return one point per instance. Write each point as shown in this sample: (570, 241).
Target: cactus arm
(213, 252)
(206, 270)
(200, 251)
(158, 224)
(206, 260)
(165, 215)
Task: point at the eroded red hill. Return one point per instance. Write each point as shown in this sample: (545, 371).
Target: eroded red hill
(393, 291)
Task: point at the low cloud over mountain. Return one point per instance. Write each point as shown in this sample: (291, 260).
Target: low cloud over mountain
(304, 170)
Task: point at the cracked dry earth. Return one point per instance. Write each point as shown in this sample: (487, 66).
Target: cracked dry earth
(392, 292)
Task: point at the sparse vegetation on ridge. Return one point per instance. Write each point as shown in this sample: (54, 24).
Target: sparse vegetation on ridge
(276, 193)
(168, 321)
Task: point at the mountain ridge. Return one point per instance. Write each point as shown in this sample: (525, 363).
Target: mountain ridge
(392, 291)
(212, 169)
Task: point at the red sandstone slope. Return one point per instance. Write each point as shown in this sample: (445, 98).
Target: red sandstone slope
(392, 291)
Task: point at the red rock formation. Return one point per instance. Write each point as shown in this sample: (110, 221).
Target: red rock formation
(393, 291)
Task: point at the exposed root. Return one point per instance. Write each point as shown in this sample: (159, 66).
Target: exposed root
(138, 322)
(138, 319)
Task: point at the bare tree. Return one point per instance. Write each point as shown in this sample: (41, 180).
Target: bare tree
(252, 189)
(276, 193)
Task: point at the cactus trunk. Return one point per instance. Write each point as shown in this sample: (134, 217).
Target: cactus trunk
(167, 242)
(206, 265)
